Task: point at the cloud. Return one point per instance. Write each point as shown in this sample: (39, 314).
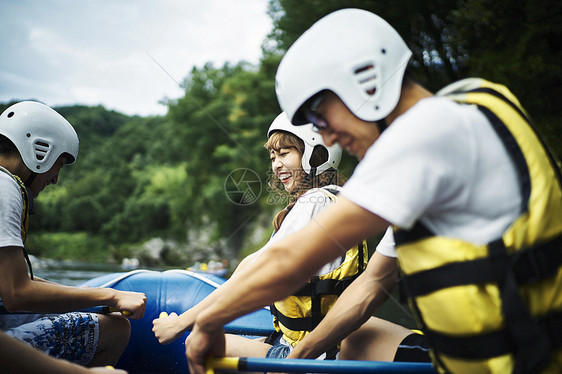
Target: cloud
(65, 52)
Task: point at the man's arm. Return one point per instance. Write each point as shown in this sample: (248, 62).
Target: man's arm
(20, 293)
(353, 308)
(281, 270)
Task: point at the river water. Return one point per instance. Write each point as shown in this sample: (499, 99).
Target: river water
(71, 273)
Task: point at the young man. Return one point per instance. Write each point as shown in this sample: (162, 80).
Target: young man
(471, 192)
(35, 143)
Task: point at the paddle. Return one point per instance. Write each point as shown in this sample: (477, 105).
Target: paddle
(313, 366)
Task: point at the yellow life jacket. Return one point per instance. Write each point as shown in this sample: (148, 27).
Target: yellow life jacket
(27, 202)
(494, 308)
(300, 313)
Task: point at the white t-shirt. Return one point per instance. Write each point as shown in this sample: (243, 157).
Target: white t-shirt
(11, 206)
(443, 164)
(386, 245)
(308, 206)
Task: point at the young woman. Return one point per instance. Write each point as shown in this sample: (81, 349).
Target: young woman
(305, 169)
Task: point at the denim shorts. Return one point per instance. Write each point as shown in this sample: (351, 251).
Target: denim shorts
(279, 349)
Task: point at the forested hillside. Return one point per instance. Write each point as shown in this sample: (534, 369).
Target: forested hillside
(191, 177)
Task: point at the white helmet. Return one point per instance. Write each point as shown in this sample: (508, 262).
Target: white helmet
(311, 140)
(354, 53)
(40, 134)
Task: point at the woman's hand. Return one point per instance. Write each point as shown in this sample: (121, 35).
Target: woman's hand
(167, 328)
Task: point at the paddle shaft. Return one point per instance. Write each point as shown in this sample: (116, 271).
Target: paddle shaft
(313, 366)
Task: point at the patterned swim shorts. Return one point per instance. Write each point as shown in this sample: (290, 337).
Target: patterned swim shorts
(71, 336)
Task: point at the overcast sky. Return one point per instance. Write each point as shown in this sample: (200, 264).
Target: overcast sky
(65, 52)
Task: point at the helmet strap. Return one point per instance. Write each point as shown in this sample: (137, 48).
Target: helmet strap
(312, 172)
(29, 193)
(381, 125)
(30, 179)
(30, 201)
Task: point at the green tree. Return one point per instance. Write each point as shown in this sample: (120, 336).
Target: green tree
(220, 127)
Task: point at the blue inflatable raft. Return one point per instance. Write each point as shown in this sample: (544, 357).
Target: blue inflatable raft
(170, 291)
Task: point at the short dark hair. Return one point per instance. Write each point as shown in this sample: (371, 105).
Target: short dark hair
(6, 146)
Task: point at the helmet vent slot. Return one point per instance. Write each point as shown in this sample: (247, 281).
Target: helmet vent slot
(41, 150)
(364, 68)
(319, 156)
(367, 78)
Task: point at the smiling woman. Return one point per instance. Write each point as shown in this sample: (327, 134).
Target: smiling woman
(285, 163)
(299, 161)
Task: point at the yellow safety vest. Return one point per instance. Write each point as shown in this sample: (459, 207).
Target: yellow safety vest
(494, 308)
(300, 313)
(27, 201)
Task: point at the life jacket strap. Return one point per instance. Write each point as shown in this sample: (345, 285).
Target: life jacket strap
(529, 266)
(28, 209)
(315, 289)
(494, 343)
(416, 233)
(26, 256)
(530, 341)
(325, 287)
(295, 324)
(522, 114)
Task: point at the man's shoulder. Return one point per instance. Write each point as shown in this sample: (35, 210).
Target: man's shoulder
(7, 181)
(9, 188)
